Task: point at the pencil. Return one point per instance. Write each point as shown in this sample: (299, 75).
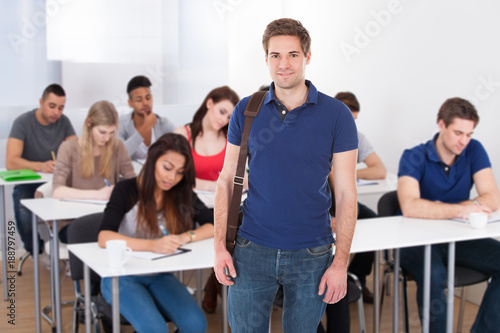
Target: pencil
(53, 155)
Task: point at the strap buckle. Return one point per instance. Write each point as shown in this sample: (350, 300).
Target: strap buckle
(237, 180)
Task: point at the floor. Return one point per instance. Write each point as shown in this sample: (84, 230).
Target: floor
(25, 316)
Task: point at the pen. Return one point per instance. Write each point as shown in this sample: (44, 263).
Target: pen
(53, 155)
(163, 229)
(107, 183)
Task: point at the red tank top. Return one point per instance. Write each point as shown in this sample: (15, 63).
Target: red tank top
(207, 167)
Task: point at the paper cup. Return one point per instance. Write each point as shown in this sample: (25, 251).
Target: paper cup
(478, 220)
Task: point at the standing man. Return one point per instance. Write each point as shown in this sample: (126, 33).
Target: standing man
(34, 136)
(434, 182)
(286, 238)
(141, 127)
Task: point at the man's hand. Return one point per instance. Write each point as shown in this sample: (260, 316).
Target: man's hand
(223, 261)
(335, 282)
(48, 166)
(150, 120)
(468, 208)
(145, 128)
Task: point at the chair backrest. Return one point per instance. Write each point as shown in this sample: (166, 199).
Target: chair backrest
(83, 230)
(388, 204)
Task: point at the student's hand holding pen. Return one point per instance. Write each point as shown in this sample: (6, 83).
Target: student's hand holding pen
(104, 193)
(47, 166)
(166, 244)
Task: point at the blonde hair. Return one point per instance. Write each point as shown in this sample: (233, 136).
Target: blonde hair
(100, 113)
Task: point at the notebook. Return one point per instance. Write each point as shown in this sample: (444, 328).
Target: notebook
(494, 217)
(16, 175)
(154, 256)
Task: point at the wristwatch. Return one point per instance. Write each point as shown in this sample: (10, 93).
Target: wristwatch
(192, 235)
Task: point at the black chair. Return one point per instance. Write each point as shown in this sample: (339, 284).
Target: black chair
(388, 205)
(84, 230)
(355, 294)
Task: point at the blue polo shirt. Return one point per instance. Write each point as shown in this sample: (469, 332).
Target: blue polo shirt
(422, 163)
(289, 162)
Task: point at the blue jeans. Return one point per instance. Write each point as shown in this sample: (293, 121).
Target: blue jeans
(260, 270)
(482, 255)
(146, 299)
(23, 215)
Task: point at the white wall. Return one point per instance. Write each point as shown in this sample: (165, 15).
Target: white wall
(406, 57)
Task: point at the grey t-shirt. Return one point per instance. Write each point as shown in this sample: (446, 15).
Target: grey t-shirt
(132, 138)
(364, 148)
(39, 140)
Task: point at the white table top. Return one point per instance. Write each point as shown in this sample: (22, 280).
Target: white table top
(201, 256)
(397, 232)
(382, 186)
(208, 197)
(56, 209)
(46, 177)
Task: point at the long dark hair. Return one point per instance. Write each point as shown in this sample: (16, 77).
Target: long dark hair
(217, 95)
(178, 201)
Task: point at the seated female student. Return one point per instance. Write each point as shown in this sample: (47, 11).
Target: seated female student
(207, 135)
(161, 197)
(88, 167)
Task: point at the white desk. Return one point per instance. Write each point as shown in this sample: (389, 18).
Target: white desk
(370, 194)
(398, 232)
(201, 256)
(208, 197)
(46, 177)
(50, 209)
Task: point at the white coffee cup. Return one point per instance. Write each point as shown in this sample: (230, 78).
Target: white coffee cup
(478, 220)
(118, 253)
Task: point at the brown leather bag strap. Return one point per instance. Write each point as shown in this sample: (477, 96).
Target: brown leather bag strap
(250, 113)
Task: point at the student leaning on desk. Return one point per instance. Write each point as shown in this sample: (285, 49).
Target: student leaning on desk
(88, 167)
(160, 197)
(207, 135)
(33, 138)
(435, 180)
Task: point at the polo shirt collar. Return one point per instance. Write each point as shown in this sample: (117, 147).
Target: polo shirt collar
(312, 96)
(431, 149)
(432, 152)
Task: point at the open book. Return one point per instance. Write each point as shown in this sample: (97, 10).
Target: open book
(364, 182)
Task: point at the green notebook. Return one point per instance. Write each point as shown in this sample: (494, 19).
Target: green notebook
(16, 175)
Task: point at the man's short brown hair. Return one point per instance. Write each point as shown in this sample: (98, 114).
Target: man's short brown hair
(287, 27)
(457, 108)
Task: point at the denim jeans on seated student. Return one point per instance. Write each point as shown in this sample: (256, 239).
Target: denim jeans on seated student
(260, 270)
(23, 215)
(482, 255)
(146, 299)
